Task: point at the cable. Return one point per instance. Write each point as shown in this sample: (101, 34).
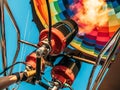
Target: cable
(68, 86)
(50, 21)
(11, 67)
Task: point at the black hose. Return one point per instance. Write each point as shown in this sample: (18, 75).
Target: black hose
(11, 67)
(50, 21)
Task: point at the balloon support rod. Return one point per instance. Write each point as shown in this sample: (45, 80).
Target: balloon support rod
(28, 43)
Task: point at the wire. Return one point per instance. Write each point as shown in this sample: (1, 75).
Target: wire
(68, 86)
(50, 21)
(11, 67)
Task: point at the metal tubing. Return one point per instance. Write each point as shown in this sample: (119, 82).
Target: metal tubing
(82, 59)
(6, 81)
(17, 30)
(16, 77)
(108, 61)
(105, 48)
(28, 43)
(3, 42)
(91, 76)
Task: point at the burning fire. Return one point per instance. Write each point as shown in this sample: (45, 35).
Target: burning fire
(90, 14)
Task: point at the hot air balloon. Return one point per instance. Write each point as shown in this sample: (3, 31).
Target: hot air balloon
(98, 21)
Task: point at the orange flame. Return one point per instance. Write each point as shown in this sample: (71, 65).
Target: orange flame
(91, 14)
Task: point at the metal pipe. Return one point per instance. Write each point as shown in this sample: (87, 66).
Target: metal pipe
(91, 76)
(82, 59)
(103, 51)
(3, 42)
(28, 43)
(7, 81)
(17, 30)
(16, 77)
(108, 61)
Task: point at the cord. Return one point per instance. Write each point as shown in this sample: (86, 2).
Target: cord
(50, 21)
(11, 67)
(68, 86)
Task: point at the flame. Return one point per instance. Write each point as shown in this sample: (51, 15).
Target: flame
(90, 14)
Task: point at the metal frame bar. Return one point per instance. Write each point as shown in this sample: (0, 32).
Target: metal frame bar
(82, 59)
(17, 30)
(28, 43)
(113, 41)
(3, 42)
(18, 34)
(115, 45)
(3, 39)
